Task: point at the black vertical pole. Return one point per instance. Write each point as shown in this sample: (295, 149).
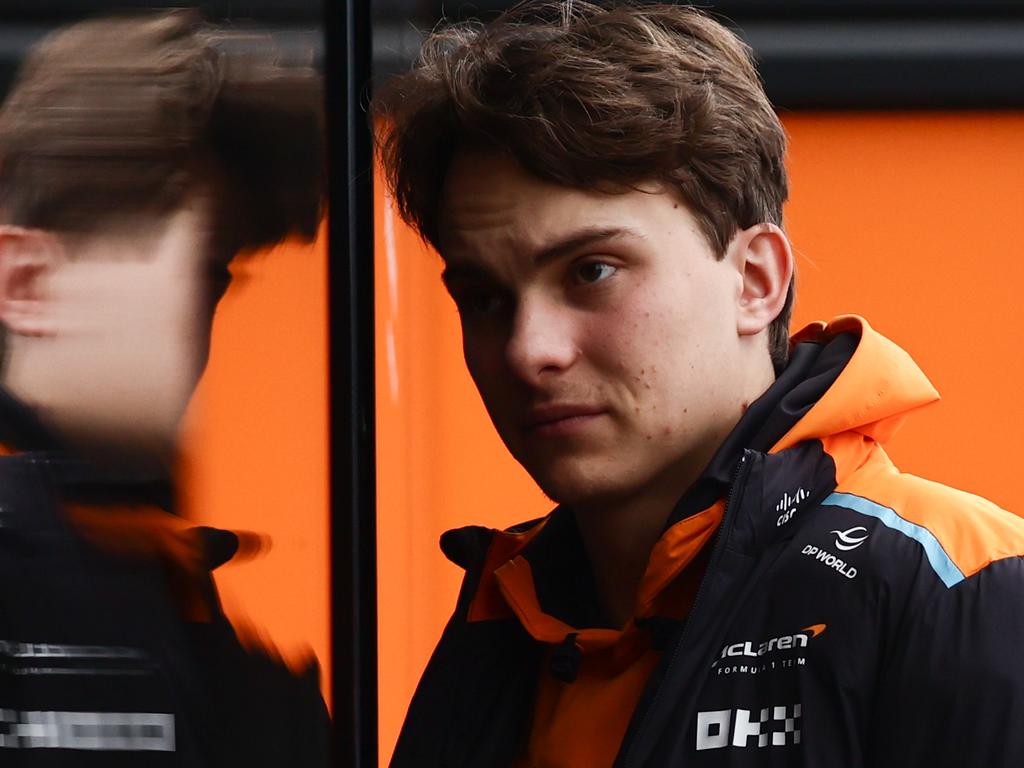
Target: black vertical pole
(353, 483)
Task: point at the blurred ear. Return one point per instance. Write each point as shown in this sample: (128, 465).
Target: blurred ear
(27, 256)
(764, 259)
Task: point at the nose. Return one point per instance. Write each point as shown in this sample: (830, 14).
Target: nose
(542, 342)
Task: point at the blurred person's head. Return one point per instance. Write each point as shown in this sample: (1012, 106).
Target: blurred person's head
(138, 156)
(605, 186)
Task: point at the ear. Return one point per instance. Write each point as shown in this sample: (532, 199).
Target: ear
(764, 259)
(27, 256)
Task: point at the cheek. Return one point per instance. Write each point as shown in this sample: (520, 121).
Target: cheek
(485, 362)
(181, 319)
(663, 355)
(631, 344)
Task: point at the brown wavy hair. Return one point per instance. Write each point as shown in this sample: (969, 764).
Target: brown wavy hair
(593, 97)
(118, 119)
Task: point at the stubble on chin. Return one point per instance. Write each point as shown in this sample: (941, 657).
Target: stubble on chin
(575, 487)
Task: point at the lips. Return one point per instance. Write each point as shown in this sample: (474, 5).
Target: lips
(554, 418)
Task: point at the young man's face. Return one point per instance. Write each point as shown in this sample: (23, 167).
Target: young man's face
(127, 326)
(599, 328)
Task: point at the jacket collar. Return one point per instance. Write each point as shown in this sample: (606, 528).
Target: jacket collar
(127, 514)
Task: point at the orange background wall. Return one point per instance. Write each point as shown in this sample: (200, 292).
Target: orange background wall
(256, 446)
(911, 220)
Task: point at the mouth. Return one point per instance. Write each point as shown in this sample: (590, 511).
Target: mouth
(558, 420)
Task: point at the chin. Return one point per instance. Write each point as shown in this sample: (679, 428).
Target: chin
(579, 489)
(581, 475)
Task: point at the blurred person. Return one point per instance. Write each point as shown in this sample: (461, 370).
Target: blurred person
(138, 156)
(736, 574)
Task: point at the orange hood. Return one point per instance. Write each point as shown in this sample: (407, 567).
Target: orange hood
(878, 387)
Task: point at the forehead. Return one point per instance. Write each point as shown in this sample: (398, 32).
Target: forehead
(490, 203)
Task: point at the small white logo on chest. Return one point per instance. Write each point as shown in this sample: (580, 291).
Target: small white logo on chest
(787, 506)
(851, 538)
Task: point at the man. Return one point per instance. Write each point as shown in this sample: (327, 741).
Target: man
(138, 155)
(736, 574)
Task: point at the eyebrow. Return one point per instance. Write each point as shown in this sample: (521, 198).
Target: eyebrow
(568, 244)
(580, 239)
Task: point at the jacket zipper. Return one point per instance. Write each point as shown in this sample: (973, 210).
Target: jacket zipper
(716, 553)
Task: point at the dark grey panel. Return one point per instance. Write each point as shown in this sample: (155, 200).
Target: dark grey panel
(918, 60)
(967, 64)
(763, 9)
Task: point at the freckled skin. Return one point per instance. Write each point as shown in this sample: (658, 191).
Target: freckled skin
(652, 344)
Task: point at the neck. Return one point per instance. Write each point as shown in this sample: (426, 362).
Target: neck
(96, 433)
(619, 535)
(618, 540)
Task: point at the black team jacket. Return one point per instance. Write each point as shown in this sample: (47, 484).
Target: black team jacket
(850, 615)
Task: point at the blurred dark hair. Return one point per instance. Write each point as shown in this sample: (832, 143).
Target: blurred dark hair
(120, 119)
(593, 96)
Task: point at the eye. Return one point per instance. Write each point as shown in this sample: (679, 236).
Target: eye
(479, 302)
(590, 272)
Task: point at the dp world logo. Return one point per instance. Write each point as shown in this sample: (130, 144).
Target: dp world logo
(851, 538)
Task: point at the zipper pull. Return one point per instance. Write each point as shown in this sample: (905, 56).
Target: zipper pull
(566, 658)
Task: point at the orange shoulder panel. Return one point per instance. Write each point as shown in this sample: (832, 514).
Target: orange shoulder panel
(972, 531)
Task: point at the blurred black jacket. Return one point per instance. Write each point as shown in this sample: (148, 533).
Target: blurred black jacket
(114, 650)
